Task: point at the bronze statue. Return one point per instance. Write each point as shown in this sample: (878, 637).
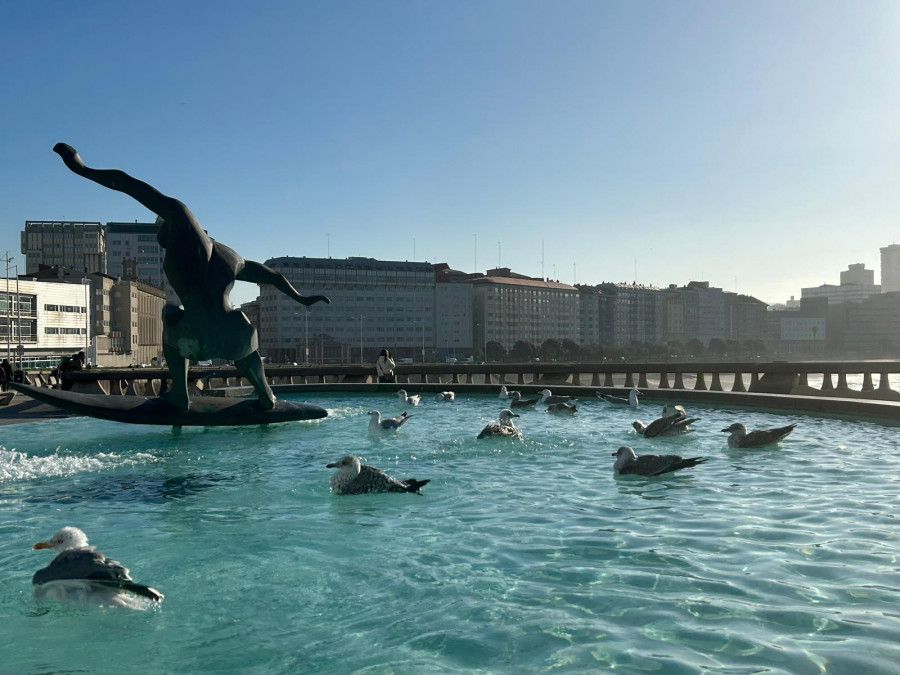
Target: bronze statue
(202, 272)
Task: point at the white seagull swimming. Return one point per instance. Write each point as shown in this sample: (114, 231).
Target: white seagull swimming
(505, 395)
(78, 572)
(632, 399)
(378, 425)
(445, 396)
(353, 478)
(547, 398)
(629, 463)
(409, 400)
(739, 437)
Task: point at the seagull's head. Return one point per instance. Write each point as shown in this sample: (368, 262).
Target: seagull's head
(347, 463)
(402, 393)
(67, 538)
(638, 426)
(546, 392)
(506, 414)
(374, 414)
(670, 410)
(737, 427)
(623, 456)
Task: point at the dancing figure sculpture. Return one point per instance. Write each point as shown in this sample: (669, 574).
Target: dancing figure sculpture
(202, 272)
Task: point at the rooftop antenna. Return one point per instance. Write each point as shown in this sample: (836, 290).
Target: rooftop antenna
(542, 259)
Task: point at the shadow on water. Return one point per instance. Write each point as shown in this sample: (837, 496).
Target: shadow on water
(154, 488)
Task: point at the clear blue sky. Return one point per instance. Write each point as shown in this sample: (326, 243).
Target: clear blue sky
(755, 145)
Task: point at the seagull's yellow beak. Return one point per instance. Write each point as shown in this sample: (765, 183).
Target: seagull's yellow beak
(41, 544)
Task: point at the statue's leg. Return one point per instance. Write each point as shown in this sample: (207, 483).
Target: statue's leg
(252, 368)
(177, 394)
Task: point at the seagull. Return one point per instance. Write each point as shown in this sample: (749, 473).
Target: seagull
(673, 422)
(504, 427)
(632, 399)
(504, 394)
(78, 565)
(409, 400)
(547, 398)
(445, 396)
(627, 462)
(739, 437)
(352, 478)
(569, 408)
(516, 400)
(389, 424)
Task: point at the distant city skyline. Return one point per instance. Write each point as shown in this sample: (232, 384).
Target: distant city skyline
(748, 145)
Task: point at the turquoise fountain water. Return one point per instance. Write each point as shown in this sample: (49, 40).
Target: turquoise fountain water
(521, 556)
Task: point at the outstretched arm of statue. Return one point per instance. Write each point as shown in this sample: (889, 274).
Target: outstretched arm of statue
(257, 273)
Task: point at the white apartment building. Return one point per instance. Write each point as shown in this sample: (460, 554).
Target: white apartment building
(48, 320)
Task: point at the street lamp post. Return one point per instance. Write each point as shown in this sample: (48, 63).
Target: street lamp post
(7, 259)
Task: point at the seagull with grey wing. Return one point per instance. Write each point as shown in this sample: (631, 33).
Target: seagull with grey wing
(547, 398)
(739, 437)
(516, 400)
(674, 422)
(630, 463)
(378, 425)
(354, 478)
(563, 407)
(445, 396)
(502, 428)
(631, 401)
(78, 567)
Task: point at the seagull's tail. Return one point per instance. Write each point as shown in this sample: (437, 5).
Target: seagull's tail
(413, 485)
(685, 463)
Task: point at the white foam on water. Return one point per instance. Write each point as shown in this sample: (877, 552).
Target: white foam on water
(16, 466)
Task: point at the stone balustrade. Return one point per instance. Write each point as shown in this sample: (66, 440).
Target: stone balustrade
(829, 377)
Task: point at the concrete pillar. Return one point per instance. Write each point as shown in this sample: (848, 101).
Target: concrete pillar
(629, 380)
(842, 381)
(826, 382)
(754, 380)
(679, 381)
(738, 382)
(701, 382)
(867, 382)
(642, 381)
(521, 379)
(595, 380)
(716, 383)
(608, 380)
(663, 380)
(884, 382)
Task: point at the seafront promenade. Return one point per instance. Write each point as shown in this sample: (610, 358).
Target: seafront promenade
(866, 389)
